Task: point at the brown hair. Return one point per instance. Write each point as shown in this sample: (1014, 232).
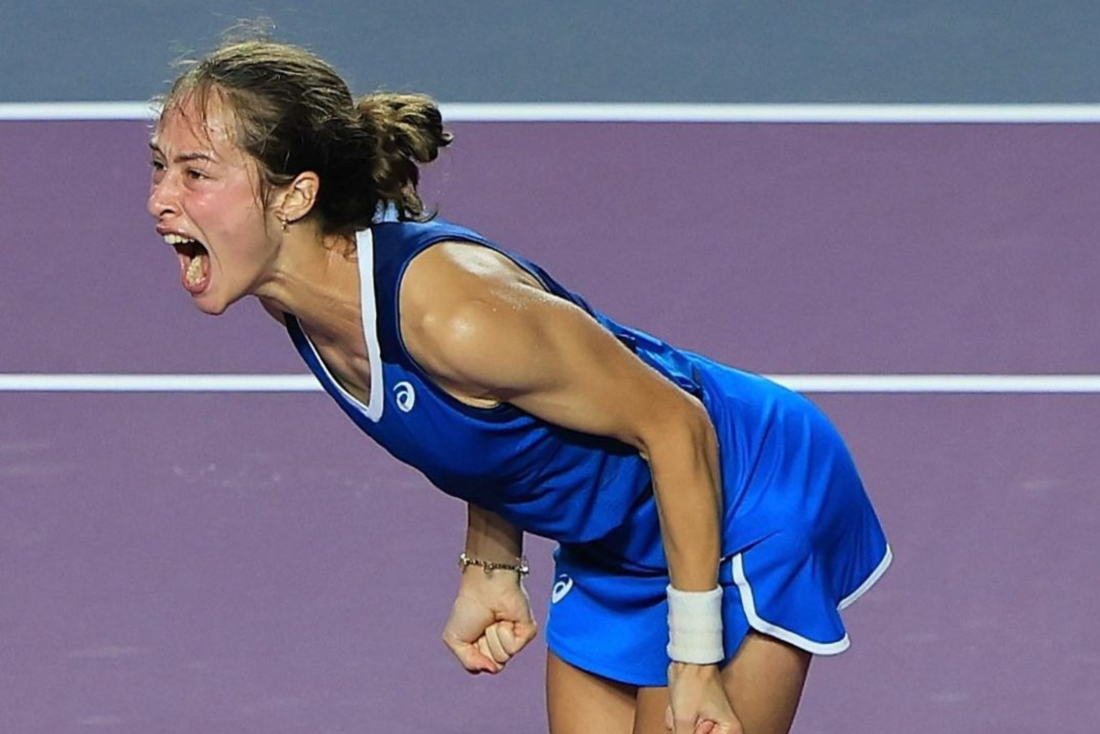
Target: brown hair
(294, 113)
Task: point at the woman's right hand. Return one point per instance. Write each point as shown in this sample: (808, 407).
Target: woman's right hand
(490, 621)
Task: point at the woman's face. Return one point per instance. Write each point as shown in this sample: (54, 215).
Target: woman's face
(205, 198)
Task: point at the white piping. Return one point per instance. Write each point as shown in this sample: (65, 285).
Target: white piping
(364, 242)
(761, 625)
(870, 581)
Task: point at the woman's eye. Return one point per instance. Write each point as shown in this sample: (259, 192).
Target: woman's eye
(156, 165)
(195, 174)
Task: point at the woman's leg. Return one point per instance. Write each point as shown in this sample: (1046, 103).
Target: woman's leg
(583, 703)
(764, 682)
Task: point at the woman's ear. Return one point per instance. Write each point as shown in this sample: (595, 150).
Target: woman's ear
(296, 199)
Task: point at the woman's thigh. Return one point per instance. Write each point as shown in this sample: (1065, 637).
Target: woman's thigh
(582, 703)
(764, 682)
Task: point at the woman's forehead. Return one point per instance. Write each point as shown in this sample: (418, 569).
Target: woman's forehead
(191, 122)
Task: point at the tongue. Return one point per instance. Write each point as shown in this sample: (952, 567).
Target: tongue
(195, 272)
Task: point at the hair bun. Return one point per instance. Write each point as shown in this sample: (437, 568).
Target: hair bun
(411, 123)
(406, 129)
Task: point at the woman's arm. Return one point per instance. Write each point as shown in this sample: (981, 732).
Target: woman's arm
(486, 331)
(490, 620)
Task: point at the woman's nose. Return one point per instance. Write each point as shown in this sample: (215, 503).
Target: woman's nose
(162, 198)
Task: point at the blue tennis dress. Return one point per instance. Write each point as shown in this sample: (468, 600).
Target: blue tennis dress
(800, 538)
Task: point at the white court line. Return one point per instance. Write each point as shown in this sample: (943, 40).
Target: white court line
(656, 112)
(157, 383)
(211, 383)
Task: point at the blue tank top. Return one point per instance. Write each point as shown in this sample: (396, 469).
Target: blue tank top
(571, 487)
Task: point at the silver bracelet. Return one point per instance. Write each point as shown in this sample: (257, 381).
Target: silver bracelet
(464, 561)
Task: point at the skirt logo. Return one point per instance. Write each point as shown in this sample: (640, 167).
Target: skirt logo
(561, 588)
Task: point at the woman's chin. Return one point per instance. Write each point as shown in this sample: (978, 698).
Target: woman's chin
(210, 302)
(214, 295)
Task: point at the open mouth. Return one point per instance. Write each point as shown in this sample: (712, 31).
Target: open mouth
(194, 262)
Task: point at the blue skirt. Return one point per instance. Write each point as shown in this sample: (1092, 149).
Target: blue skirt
(801, 541)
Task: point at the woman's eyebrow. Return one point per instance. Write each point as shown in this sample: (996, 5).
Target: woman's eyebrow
(185, 157)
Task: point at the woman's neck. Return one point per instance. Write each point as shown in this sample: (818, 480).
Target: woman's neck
(317, 280)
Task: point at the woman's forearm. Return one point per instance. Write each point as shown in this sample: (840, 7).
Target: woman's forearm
(686, 481)
(489, 537)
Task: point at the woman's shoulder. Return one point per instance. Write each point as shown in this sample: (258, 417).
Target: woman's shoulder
(424, 232)
(453, 271)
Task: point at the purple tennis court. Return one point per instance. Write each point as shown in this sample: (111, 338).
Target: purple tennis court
(249, 562)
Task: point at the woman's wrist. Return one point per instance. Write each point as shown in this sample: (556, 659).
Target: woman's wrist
(492, 543)
(695, 626)
(517, 565)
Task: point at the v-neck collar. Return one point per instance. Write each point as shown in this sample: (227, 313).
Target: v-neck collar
(368, 307)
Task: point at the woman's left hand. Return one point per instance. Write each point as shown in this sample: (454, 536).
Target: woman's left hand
(698, 701)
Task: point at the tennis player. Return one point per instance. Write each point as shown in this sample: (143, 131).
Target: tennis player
(711, 524)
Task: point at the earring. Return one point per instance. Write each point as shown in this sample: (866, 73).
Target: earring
(285, 223)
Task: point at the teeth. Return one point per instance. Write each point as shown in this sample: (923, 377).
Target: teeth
(175, 239)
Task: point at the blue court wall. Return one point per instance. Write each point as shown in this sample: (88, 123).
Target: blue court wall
(843, 51)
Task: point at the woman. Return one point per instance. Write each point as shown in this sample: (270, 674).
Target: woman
(710, 522)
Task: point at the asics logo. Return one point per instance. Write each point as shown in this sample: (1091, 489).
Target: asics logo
(561, 588)
(405, 396)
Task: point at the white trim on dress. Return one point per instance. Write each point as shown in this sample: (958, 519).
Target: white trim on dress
(866, 585)
(364, 242)
(759, 624)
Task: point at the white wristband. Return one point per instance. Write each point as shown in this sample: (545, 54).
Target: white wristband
(695, 626)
